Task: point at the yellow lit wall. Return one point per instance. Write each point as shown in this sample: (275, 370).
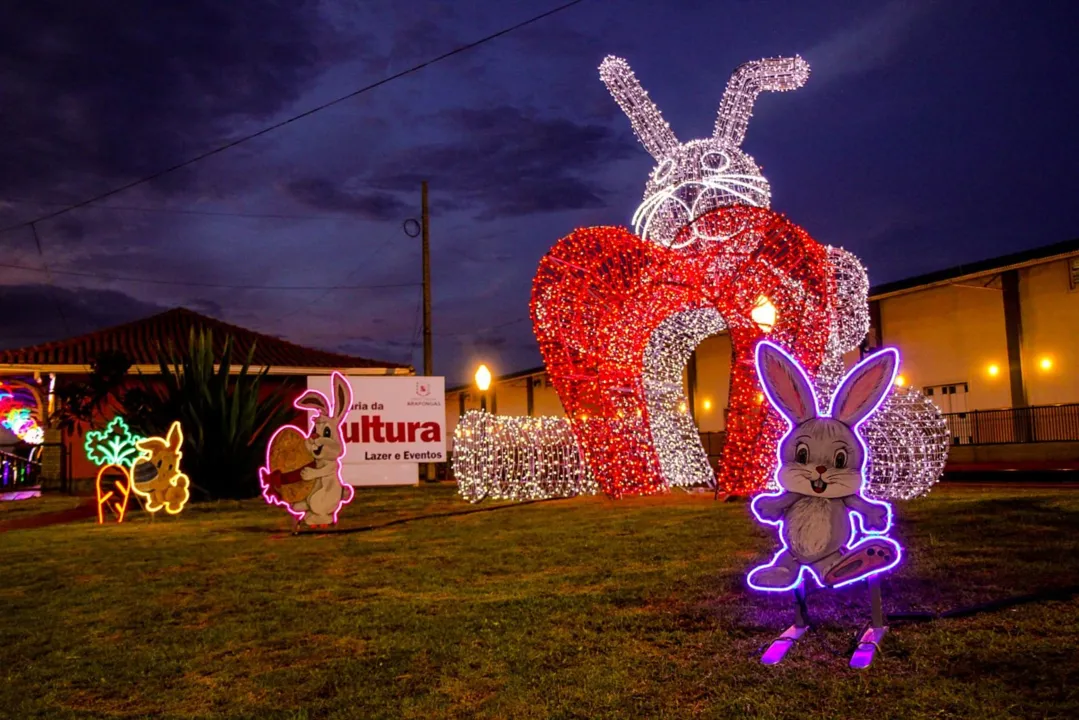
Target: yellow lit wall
(713, 382)
(508, 397)
(949, 335)
(1050, 312)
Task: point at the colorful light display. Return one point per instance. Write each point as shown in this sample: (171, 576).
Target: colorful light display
(601, 293)
(693, 178)
(156, 476)
(303, 469)
(908, 443)
(850, 318)
(829, 530)
(682, 460)
(113, 489)
(115, 445)
(617, 315)
(502, 457)
(20, 420)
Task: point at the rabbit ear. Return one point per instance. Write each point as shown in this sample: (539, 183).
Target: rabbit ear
(313, 400)
(342, 396)
(863, 389)
(787, 387)
(151, 444)
(175, 437)
(746, 83)
(652, 130)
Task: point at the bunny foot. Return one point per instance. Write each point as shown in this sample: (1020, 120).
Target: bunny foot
(781, 574)
(867, 557)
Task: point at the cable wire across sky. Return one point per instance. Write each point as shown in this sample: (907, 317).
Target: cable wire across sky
(275, 126)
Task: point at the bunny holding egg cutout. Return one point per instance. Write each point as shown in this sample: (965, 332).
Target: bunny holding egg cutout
(303, 469)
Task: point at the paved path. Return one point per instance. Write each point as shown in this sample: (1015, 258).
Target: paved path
(86, 510)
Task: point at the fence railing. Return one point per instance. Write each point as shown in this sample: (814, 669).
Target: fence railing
(17, 472)
(1041, 423)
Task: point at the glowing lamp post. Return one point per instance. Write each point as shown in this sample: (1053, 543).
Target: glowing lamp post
(764, 314)
(483, 382)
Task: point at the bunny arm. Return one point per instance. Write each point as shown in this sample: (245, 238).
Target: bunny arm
(309, 473)
(771, 508)
(875, 515)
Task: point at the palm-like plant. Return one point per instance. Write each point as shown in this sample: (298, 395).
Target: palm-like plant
(227, 419)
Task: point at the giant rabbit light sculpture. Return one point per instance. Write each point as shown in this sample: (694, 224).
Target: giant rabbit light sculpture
(617, 314)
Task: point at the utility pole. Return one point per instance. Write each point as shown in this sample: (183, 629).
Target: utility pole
(428, 364)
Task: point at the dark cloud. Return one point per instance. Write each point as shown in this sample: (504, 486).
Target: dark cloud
(322, 194)
(108, 91)
(508, 161)
(34, 314)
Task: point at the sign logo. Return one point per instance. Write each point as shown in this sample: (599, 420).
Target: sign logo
(423, 389)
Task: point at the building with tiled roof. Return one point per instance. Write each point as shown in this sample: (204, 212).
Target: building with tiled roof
(141, 339)
(38, 372)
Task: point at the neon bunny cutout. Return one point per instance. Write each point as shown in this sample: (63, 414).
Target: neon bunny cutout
(814, 514)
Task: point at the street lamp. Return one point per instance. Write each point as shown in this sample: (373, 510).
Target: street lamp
(764, 314)
(483, 382)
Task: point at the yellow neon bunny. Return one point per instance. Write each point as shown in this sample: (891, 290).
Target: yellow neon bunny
(157, 476)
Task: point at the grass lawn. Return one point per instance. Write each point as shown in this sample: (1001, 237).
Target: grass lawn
(584, 608)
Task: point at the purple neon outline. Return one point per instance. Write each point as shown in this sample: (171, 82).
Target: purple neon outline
(856, 524)
(264, 471)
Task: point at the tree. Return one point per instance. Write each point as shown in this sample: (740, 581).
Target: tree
(227, 419)
(82, 403)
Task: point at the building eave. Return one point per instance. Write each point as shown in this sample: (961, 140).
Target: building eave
(985, 268)
(31, 368)
(502, 378)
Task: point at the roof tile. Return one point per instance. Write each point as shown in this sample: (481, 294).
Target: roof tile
(139, 339)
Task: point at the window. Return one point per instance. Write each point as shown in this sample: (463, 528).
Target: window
(951, 398)
(1073, 272)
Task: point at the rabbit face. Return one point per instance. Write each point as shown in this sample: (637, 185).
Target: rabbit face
(694, 179)
(821, 458)
(324, 442)
(822, 455)
(157, 471)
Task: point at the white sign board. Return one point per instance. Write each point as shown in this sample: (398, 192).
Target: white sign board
(395, 423)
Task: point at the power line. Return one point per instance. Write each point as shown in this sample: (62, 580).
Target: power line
(377, 251)
(184, 211)
(294, 118)
(485, 329)
(184, 283)
(48, 276)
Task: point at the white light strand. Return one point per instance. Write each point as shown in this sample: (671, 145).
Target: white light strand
(850, 319)
(908, 437)
(747, 82)
(908, 444)
(692, 178)
(503, 457)
(682, 459)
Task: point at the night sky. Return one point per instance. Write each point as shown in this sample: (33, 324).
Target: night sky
(929, 134)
